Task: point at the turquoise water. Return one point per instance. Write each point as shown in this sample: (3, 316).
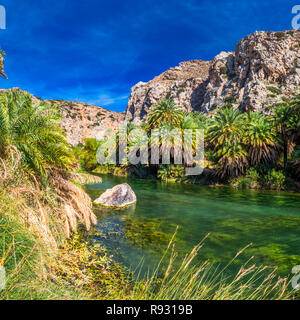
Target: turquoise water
(234, 218)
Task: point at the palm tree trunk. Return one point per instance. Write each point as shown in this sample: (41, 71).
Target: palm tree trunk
(285, 152)
(285, 148)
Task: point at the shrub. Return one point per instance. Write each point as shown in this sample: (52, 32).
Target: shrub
(224, 70)
(275, 180)
(242, 183)
(87, 154)
(280, 35)
(181, 89)
(229, 99)
(249, 181)
(105, 169)
(274, 90)
(170, 172)
(253, 174)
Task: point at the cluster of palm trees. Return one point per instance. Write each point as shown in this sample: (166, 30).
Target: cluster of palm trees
(236, 140)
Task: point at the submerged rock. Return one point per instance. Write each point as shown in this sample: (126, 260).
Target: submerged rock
(119, 196)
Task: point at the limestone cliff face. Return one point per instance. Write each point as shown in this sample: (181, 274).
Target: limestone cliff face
(185, 84)
(82, 120)
(264, 68)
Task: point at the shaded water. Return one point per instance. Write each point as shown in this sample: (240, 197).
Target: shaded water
(235, 218)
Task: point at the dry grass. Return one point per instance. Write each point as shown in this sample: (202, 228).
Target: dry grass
(76, 205)
(85, 178)
(188, 281)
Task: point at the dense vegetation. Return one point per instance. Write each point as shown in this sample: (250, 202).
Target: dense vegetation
(39, 205)
(246, 149)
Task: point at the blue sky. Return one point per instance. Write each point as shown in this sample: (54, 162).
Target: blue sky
(94, 51)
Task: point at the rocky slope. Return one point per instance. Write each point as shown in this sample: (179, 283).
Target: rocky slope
(264, 68)
(82, 120)
(185, 84)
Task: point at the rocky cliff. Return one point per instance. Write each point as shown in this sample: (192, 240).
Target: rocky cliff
(264, 69)
(82, 120)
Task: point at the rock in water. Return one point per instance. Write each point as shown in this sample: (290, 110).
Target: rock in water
(119, 196)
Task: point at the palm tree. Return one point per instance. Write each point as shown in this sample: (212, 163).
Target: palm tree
(225, 136)
(261, 138)
(32, 131)
(286, 121)
(232, 160)
(165, 112)
(2, 55)
(295, 104)
(168, 135)
(194, 120)
(88, 153)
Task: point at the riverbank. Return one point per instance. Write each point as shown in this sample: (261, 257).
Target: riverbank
(42, 256)
(251, 180)
(78, 268)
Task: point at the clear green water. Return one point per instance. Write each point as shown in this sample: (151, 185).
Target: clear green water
(234, 219)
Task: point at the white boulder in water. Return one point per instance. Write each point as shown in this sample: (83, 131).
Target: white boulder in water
(119, 196)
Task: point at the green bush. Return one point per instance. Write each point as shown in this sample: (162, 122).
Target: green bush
(230, 99)
(275, 180)
(87, 154)
(105, 169)
(170, 172)
(274, 90)
(280, 35)
(249, 181)
(223, 70)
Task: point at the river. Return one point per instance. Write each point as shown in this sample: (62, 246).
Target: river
(269, 220)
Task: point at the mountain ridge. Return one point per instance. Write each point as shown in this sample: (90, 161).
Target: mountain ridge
(263, 69)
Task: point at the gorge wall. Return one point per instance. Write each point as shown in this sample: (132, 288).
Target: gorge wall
(82, 120)
(264, 68)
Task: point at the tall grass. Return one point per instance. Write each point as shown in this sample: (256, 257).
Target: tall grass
(17, 255)
(205, 281)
